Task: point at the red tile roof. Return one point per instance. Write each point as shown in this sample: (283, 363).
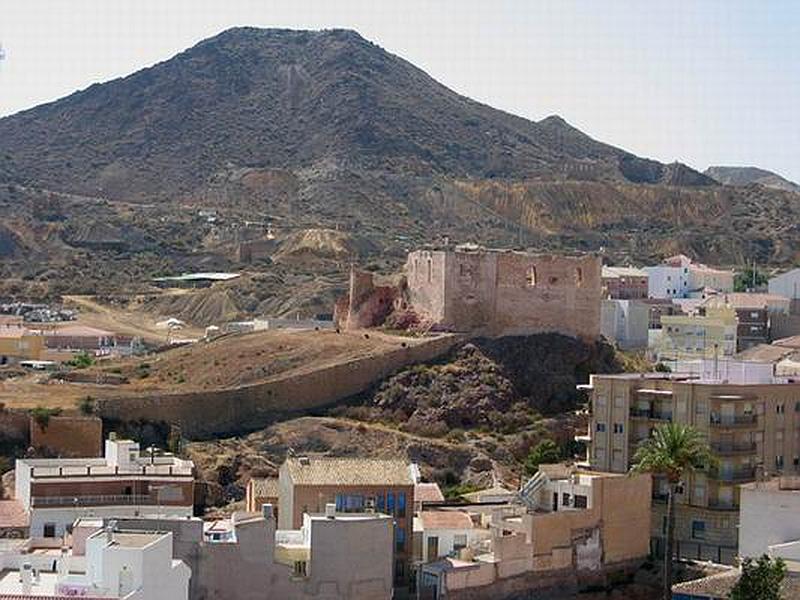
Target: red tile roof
(428, 492)
(445, 519)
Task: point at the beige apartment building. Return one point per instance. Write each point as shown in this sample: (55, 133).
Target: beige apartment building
(307, 485)
(750, 418)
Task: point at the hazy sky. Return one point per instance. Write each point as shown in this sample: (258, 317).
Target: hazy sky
(704, 82)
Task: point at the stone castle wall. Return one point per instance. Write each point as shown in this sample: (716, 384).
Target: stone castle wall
(499, 293)
(227, 412)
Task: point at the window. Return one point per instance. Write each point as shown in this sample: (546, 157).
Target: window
(430, 270)
(779, 461)
(531, 277)
(399, 571)
(300, 568)
(797, 407)
(49, 530)
(796, 461)
(664, 525)
(578, 276)
(698, 530)
(565, 499)
(380, 505)
(390, 503)
(401, 504)
(553, 280)
(348, 503)
(601, 427)
(459, 541)
(581, 501)
(399, 539)
(780, 409)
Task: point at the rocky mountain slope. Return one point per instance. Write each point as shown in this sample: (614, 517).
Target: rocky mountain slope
(748, 175)
(341, 151)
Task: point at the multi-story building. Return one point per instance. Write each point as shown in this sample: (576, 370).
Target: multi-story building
(502, 292)
(624, 283)
(573, 529)
(353, 485)
(707, 334)
(750, 418)
(678, 276)
(55, 492)
(754, 313)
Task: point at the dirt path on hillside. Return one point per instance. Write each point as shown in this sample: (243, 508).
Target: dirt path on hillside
(127, 322)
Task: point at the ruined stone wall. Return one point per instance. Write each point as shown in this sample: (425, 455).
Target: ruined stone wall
(76, 437)
(506, 293)
(226, 412)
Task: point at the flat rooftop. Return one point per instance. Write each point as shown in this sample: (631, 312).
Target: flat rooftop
(133, 539)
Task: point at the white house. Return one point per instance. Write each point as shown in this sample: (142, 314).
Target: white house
(444, 533)
(54, 492)
(625, 322)
(134, 565)
(677, 276)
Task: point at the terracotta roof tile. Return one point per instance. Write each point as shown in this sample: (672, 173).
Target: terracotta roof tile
(265, 487)
(445, 519)
(428, 492)
(349, 471)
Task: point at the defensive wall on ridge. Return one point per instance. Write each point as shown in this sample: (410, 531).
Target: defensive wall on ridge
(230, 411)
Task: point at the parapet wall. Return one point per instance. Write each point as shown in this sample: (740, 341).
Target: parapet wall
(228, 412)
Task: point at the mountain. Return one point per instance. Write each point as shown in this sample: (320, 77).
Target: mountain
(283, 99)
(748, 175)
(281, 135)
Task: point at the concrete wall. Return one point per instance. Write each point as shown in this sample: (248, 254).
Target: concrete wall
(77, 437)
(206, 414)
(625, 322)
(767, 516)
(506, 293)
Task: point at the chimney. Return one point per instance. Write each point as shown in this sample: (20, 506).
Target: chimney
(330, 511)
(266, 511)
(27, 579)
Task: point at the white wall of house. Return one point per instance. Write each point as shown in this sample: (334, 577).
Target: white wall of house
(767, 516)
(447, 539)
(625, 322)
(64, 517)
(667, 282)
(786, 284)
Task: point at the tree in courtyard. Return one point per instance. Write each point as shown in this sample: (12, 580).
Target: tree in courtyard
(760, 580)
(545, 452)
(673, 451)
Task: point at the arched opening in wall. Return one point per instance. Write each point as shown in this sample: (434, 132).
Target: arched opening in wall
(430, 270)
(530, 278)
(578, 277)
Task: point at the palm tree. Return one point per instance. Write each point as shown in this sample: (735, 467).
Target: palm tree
(673, 451)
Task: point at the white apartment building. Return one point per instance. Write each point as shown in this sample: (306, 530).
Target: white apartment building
(678, 276)
(130, 565)
(123, 483)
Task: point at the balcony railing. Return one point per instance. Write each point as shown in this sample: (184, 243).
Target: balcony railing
(732, 475)
(734, 421)
(733, 447)
(722, 504)
(653, 415)
(99, 500)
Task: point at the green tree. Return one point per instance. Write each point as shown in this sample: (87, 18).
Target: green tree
(760, 580)
(673, 451)
(86, 405)
(81, 360)
(743, 280)
(545, 452)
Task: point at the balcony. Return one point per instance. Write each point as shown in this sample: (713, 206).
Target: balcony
(102, 500)
(651, 414)
(733, 448)
(734, 422)
(717, 504)
(733, 475)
